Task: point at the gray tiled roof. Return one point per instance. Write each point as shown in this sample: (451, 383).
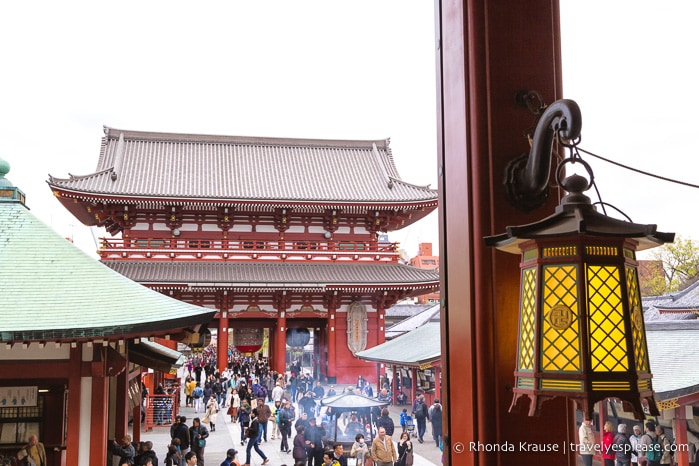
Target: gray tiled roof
(414, 348)
(672, 359)
(275, 275)
(51, 290)
(681, 303)
(431, 314)
(164, 165)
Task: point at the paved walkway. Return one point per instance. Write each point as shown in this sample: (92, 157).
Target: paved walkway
(227, 436)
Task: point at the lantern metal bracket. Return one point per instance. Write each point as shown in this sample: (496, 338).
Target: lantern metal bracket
(527, 176)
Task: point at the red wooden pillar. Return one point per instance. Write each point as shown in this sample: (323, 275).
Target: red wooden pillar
(121, 416)
(74, 394)
(437, 382)
(222, 345)
(679, 429)
(331, 372)
(99, 408)
(487, 52)
(279, 360)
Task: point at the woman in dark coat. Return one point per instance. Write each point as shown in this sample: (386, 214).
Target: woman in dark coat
(405, 449)
(197, 433)
(300, 444)
(435, 415)
(385, 421)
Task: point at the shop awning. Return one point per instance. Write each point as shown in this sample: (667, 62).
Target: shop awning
(155, 356)
(418, 348)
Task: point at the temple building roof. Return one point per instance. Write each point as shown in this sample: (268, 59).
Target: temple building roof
(274, 276)
(672, 367)
(414, 349)
(51, 290)
(156, 166)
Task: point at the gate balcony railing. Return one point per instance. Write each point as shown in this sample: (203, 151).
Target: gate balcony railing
(222, 249)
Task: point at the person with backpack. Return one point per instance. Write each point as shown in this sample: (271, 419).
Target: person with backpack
(650, 448)
(420, 413)
(197, 395)
(622, 447)
(666, 450)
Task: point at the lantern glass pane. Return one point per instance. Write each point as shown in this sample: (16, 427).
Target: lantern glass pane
(608, 348)
(560, 326)
(639, 337)
(527, 320)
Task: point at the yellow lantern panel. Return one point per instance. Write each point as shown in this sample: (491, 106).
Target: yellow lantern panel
(527, 320)
(639, 337)
(606, 313)
(560, 326)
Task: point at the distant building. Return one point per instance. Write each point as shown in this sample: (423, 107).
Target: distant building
(277, 235)
(426, 260)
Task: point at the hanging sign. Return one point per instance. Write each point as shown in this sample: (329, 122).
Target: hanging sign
(18, 396)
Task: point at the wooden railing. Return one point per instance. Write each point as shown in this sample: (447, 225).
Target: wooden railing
(222, 249)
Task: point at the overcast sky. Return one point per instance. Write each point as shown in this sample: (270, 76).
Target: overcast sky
(308, 69)
(324, 69)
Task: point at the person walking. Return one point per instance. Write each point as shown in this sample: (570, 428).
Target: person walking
(383, 451)
(35, 451)
(587, 440)
(621, 447)
(231, 458)
(233, 405)
(608, 454)
(405, 450)
(212, 412)
(124, 449)
(315, 434)
(244, 419)
(359, 450)
(435, 416)
(253, 439)
(665, 445)
(420, 413)
(198, 434)
(635, 440)
(300, 452)
(286, 417)
(386, 422)
(264, 413)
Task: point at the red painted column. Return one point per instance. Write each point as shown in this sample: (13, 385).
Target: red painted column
(331, 373)
(488, 51)
(679, 429)
(74, 394)
(279, 361)
(99, 409)
(121, 415)
(222, 345)
(437, 382)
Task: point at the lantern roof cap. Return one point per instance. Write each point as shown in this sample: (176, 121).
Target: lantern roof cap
(577, 216)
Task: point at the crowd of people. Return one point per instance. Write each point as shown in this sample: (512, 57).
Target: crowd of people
(624, 448)
(263, 404)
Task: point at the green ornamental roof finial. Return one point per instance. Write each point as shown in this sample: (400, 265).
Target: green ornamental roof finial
(4, 170)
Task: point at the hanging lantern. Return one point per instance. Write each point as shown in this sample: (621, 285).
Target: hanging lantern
(198, 340)
(248, 340)
(581, 329)
(298, 337)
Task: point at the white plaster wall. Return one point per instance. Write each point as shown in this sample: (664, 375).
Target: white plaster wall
(34, 352)
(84, 421)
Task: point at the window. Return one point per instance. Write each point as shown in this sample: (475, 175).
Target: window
(18, 422)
